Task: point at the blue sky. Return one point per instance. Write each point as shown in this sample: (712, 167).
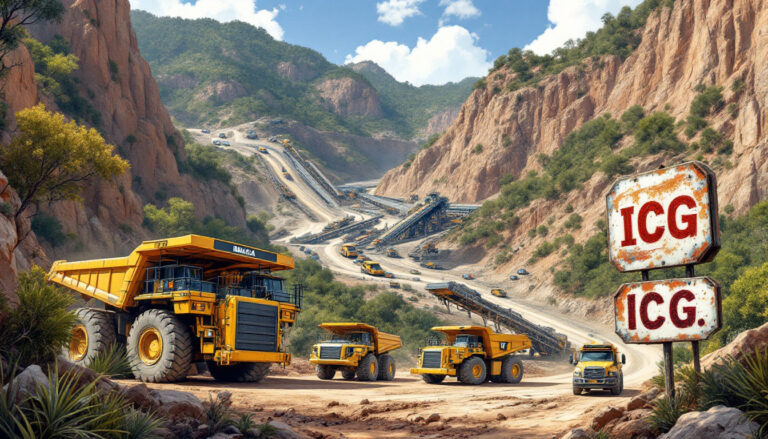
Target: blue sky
(419, 41)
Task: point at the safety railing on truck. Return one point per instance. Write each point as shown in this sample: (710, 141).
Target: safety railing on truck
(543, 339)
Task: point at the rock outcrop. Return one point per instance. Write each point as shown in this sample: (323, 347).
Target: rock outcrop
(349, 97)
(119, 85)
(719, 422)
(711, 42)
(746, 343)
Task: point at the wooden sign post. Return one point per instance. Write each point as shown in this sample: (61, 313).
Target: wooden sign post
(660, 219)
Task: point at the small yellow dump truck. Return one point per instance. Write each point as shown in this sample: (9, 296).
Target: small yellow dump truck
(348, 251)
(498, 292)
(372, 268)
(598, 366)
(473, 354)
(181, 300)
(357, 350)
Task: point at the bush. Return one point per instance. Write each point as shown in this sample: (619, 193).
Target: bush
(573, 222)
(112, 363)
(544, 249)
(36, 330)
(204, 163)
(656, 133)
(477, 149)
(542, 230)
(666, 412)
(49, 228)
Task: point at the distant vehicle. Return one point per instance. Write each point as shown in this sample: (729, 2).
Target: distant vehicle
(287, 176)
(308, 251)
(273, 139)
(394, 284)
(432, 266)
(371, 268)
(360, 259)
(389, 275)
(414, 271)
(301, 248)
(217, 142)
(523, 271)
(413, 198)
(251, 134)
(263, 150)
(349, 251)
(392, 253)
(222, 136)
(225, 143)
(315, 257)
(468, 276)
(498, 292)
(514, 277)
(205, 131)
(415, 278)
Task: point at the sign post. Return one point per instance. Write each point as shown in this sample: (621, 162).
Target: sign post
(661, 219)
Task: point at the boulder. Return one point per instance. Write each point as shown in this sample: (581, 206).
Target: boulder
(434, 417)
(87, 376)
(140, 397)
(642, 399)
(27, 382)
(284, 431)
(633, 425)
(174, 404)
(719, 422)
(605, 416)
(744, 344)
(576, 433)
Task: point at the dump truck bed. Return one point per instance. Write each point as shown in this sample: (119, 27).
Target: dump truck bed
(383, 342)
(116, 281)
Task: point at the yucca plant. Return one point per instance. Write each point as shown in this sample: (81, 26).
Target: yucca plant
(748, 383)
(141, 425)
(112, 363)
(62, 409)
(667, 410)
(245, 423)
(217, 414)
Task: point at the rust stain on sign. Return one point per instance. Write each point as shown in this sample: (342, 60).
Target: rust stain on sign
(674, 310)
(663, 218)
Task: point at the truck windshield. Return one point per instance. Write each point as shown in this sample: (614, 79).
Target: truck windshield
(597, 356)
(466, 341)
(375, 267)
(350, 248)
(352, 337)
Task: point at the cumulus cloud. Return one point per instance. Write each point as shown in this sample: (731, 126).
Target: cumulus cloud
(452, 54)
(572, 19)
(224, 11)
(394, 12)
(460, 8)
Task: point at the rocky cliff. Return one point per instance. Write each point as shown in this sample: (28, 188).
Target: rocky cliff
(349, 97)
(117, 81)
(711, 42)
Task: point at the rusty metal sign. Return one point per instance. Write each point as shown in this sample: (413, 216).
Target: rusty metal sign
(661, 311)
(663, 218)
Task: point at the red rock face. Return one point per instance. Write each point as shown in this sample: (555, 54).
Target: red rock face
(120, 86)
(711, 42)
(350, 97)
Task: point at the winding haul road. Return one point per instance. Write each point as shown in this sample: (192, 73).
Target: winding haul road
(309, 392)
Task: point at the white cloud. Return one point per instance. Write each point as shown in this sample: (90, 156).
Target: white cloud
(572, 19)
(393, 12)
(460, 8)
(452, 54)
(221, 10)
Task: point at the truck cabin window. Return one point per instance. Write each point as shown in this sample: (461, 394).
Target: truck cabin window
(597, 356)
(467, 341)
(352, 337)
(375, 267)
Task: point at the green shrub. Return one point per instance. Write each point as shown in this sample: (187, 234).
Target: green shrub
(709, 99)
(656, 133)
(544, 249)
(573, 222)
(542, 230)
(203, 162)
(49, 228)
(666, 412)
(738, 85)
(142, 425)
(477, 149)
(112, 363)
(217, 414)
(36, 330)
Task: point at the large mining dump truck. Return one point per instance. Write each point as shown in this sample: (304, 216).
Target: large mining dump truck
(181, 300)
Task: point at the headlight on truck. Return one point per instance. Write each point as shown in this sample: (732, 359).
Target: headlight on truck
(577, 373)
(350, 351)
(314, 351)
(612, 373)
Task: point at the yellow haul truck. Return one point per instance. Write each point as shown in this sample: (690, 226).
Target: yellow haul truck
(348, 251)
(181, 300)
(473, 354)
(372, 268)
(598, 367)
(357, 350)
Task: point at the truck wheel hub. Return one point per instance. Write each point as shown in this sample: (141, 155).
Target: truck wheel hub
(477, 371)
(78, 345)
(515, 370)
(150, 346)
(373, 367)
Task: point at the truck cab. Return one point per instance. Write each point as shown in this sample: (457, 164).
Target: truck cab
(472, 354)
(372, 268)
(498, 292)
(358, 350)
(598, 366)
(349, 251)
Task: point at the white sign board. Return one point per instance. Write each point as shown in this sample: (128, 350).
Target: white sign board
(671, 310)
(663, 218)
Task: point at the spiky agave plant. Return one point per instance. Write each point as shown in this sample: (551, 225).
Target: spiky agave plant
(667, 410)
(748, 382)
(112, 363)
(141, 425)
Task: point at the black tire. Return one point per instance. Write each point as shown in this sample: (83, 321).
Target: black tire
(512, 370)
(175, 355)
(368, 368)
(473, 371)
(386, 368)
(619, 387)
(325, 372)
(576, 390)
(348, 374)
(240, 372)
(432, 379)
(95, 329)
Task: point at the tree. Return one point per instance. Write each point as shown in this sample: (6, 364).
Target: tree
(14, 15)
(51, 159)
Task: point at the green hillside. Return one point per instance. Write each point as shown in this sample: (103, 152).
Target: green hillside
(214, 73)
